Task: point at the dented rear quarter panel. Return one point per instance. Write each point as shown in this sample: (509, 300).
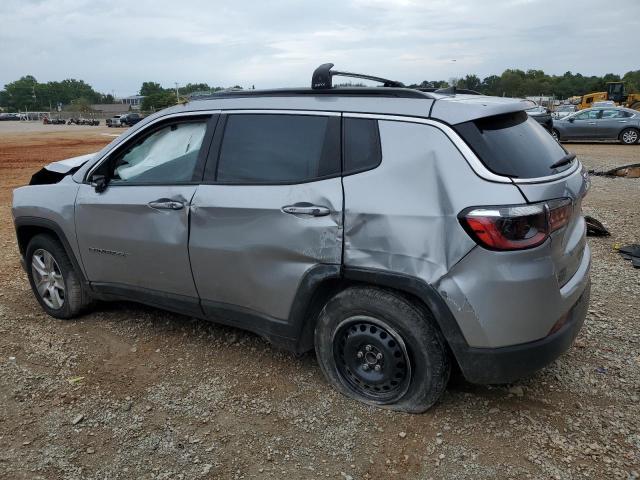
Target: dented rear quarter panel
(403, 215)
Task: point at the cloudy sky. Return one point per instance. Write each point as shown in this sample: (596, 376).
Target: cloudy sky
(116, 45)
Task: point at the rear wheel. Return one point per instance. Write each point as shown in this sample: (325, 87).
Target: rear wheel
(53, 278)
(629, 136)
(380, 348)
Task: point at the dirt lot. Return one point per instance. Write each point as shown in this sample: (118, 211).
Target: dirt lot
(134, 392)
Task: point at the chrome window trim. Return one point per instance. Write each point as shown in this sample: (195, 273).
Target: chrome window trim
(267, 111)
(163, 118)
(472, 159)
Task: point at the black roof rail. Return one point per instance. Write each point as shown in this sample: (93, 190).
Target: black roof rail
(342, 91)
(322, 77)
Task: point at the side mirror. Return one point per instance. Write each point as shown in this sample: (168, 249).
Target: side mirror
(571, 120)
(99, 182)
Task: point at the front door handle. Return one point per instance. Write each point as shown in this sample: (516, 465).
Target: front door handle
(166, 204)
(592, 123)
(622, 121)
(306, 209)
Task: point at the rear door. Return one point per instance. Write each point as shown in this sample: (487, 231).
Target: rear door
(269, 210)
(612, 122)
(133, 236)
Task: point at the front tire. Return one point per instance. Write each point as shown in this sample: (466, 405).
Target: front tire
(555, 134)
(53, 279)
(629, 136)
(380, 348)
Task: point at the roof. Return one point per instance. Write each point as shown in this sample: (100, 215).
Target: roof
(392, 99)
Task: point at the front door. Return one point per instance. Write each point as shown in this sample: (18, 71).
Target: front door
(269, 211)
(133, 234)
(584, 125)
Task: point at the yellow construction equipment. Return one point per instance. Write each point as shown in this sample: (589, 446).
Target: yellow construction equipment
(615, 93)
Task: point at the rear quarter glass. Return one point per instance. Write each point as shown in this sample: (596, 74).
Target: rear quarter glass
(513, 145)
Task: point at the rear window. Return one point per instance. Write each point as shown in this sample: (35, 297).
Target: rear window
(513, 145)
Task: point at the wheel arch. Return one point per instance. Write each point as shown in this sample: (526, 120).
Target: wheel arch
(418, 291)
(29, 227)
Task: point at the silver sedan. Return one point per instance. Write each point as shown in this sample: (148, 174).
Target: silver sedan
(608, 123)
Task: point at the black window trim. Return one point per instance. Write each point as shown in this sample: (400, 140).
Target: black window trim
(211, 120)
(211, 167)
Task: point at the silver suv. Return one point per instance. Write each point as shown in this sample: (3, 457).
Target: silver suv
(395, 231)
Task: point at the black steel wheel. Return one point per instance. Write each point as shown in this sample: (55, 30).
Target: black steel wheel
(382, 348)
(372, 358)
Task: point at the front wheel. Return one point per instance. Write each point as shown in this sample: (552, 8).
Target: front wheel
(53, 279)
(380, 348)
(629, 136)
(555, 134)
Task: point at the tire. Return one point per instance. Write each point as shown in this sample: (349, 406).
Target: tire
(555, 134)
(396, 339)
(70, 298)
(629, 136)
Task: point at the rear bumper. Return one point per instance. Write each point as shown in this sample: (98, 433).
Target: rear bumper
(507, 364)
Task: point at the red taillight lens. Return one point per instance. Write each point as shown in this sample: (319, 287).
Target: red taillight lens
(516, 227)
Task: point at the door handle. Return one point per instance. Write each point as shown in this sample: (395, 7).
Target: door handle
(306, 209)
(622, 121)
(591, 123)
(166, 204)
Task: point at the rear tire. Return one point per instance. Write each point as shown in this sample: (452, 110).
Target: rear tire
(53, 279)
(380, 348)
(629, 136)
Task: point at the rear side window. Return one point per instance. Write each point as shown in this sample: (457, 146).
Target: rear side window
(513, 145)
(361, 144)
(266, 148)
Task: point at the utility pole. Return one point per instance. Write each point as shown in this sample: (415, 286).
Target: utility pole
(177, 93)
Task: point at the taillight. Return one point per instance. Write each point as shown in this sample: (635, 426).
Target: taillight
(515, 227)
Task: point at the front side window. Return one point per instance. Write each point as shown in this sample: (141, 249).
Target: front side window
(167, 155)
(272, 148)
(588, 115)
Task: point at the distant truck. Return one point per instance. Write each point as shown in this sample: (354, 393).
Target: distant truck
(130, 119)
(114, 121)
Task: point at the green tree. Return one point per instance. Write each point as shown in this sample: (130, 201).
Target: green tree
(159, 100)
(151, 88)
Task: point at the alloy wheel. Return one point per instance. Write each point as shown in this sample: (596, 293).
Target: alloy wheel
(372, 359)
(48, 279)
(630, 136)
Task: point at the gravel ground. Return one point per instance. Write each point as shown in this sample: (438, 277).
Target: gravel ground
(133, 392)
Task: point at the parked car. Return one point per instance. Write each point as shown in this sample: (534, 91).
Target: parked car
(130, 119)
(394, 231)
(4, 117)
(563, 110)
(540, 114)
(617, 123)
(114, 121)
(604, 103)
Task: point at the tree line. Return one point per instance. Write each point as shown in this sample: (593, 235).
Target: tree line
(28, 94)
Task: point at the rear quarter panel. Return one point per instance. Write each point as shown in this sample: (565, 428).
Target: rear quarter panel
(403, 215)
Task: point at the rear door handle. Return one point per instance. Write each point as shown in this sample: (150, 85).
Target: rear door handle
(307, 209)
(622, 121)
(166, 204)
(592, 123)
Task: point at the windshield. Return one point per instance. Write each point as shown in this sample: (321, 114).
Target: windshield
(513, 145)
